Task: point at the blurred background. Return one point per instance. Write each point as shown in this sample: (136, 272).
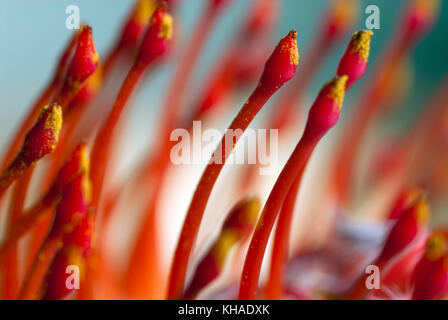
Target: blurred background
(32, 34)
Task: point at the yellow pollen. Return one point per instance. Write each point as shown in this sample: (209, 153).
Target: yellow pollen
(222, 247)
(436, 246)
(54, 120)
(361, 44)
(94, 81)
(428, 7)
(344, 12)
(251, 209)
(336, 90)
(422, 211)
(143, 11)
(166, 28)
(86, 186)
(68, 227)
(84, 159)
(95, 56)
(290, 47)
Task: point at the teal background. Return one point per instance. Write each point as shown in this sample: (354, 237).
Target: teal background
(33, 32)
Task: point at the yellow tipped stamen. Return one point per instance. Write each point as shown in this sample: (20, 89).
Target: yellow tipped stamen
(413, 195)
(94, 81)
(95, 57)
(344, 11)
(84, 160)
(54, 120)
(251, 210)
(336, 89)
(86, 187)
(221, 248)
(290, 47)
(436, 246)
(166, 28)
(428, 7)
(144, 10)
(361, 44)
(422, 211)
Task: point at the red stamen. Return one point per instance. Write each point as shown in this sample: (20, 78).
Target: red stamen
(354, 61)
(370, 104)
(238, 225)
(78, 163)
(40, 140)
(279, 69)
(430, 277)
(70, 211)
(75, 251)
(322, 116)
(409, 225)
(83, 64)
(44, 98)
(155, 43)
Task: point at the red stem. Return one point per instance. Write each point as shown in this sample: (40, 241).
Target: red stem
(176, 92)
(200, 198)
(254, 258)
(359, 289)
(274, 287)
(290, 100)
(32, 285)
(102, 146)
(28, 220)
(11, 267)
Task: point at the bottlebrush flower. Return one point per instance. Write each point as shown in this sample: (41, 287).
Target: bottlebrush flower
(49, 213)
(279, 68)
(40, 140)
(237, 226)
(323, 115)
(430, 277)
